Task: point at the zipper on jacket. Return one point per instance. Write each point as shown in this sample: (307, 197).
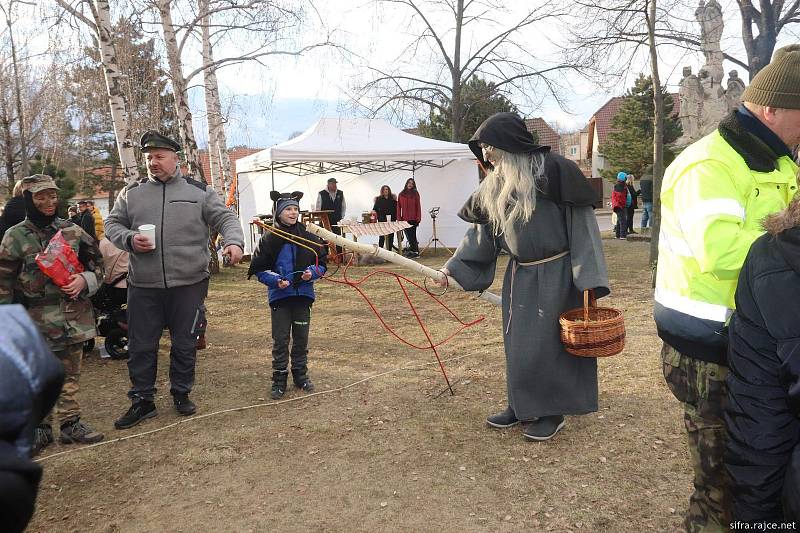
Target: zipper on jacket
(163, 207)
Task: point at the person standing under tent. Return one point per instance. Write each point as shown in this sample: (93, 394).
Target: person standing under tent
(385, 209)
(409, 209)
(332, 199)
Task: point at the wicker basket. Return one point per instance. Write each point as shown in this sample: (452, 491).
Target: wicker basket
(592, 331)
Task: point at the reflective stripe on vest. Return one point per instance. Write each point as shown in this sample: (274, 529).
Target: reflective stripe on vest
(695, 308)
(676, 245)
(711, 208)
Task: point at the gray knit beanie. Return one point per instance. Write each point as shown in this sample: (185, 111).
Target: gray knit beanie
(777, 84)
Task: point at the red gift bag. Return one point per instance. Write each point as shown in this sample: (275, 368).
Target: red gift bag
(59, 261)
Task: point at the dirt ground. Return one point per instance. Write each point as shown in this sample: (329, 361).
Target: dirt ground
(391, 453)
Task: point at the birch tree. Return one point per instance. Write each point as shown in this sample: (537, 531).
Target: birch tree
(8, 14)
(100, 26)
(216, 131)
(179, 88)
(259, 29)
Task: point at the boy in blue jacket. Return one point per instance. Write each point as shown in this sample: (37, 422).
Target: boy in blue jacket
(289, 272)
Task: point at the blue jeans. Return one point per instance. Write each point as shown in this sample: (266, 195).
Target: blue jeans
(647, 213)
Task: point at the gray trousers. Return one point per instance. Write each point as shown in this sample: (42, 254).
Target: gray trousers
(291, 320)
(149, 312)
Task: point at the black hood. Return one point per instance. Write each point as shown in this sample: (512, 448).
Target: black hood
(506, 131)
(34, 215)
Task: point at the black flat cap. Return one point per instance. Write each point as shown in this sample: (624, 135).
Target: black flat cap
(153, 139)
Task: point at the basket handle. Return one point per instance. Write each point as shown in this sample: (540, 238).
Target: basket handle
(588, 301)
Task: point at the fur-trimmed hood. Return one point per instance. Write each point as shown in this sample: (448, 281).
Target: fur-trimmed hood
(785, 219)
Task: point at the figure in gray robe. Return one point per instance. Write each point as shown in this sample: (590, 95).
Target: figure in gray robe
(555, 254)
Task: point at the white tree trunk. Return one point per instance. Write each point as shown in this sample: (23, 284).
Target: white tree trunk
(217, 141)
(116, 95)
(212, 103)
(179, 88)
(23, 143)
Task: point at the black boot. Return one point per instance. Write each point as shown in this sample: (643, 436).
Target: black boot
(301, 379)
(279, 378)
(183, 404)
(42, 438)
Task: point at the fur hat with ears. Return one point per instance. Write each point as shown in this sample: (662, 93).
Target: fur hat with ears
(785, 219)
(284, 200)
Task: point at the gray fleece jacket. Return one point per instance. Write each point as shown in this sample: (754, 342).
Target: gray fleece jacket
(182, 209)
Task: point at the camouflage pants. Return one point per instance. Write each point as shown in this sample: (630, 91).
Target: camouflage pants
(67, 408)
(701, 387)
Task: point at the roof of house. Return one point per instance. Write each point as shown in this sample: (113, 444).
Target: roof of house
(234, 153)
(602, 118)
(547, 135)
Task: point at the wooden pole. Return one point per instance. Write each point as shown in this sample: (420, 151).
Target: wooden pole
(394, 258)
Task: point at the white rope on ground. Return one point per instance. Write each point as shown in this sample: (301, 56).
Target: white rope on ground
(246, 407)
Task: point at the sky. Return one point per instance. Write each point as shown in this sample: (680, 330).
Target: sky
(269, 102)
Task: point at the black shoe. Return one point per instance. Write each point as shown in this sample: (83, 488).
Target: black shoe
(544, 428)
(183, 404)
(278, 390)
(279, 378)
(139, 411)
(79, 433)
(506, 419)
(42, 438)
(301, 380)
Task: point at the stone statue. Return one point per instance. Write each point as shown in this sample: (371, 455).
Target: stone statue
(715, 106)
(709, 15)
(690, 97)
(735, 89)
(703, 99)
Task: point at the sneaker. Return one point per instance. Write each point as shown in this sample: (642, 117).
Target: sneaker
(183, 404)
(506, 419)
(544, 428)
(79, 433)
(278, 390)
(139, 411)
(305, 385)
(42, 438)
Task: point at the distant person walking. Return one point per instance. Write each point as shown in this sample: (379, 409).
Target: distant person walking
(619, 203)
(646, 193)
(631, 202)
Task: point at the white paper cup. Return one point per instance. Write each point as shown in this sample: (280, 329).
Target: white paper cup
(149, 231)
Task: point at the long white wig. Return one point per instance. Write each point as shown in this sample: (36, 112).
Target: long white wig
(508, 193)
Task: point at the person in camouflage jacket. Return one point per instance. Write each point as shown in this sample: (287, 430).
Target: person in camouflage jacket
(64, 315)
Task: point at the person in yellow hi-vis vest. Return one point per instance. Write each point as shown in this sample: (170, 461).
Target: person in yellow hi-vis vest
(713, 199)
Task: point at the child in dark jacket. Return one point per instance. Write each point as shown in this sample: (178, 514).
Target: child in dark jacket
(619, 203)
(289, 271)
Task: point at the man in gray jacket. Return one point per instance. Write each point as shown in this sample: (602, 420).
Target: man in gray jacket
(168, 275)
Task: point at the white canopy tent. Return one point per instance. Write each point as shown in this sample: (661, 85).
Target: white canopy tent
(363, 155)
